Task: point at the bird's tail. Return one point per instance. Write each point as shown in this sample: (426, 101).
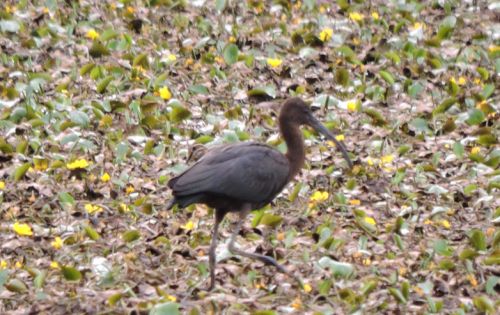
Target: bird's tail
(171, 203)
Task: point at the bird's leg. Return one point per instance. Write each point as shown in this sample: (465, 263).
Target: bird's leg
(219, 215)
(265, 259)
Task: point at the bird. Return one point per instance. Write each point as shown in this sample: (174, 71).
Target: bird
(247, 176)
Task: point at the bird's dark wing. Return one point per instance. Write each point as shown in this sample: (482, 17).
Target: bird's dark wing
(250, 172)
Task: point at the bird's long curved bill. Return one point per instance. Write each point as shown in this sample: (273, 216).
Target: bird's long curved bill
(324, 131)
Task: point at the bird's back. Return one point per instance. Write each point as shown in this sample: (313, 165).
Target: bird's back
(230, 175)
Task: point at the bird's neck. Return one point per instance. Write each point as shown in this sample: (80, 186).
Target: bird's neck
(295, 146)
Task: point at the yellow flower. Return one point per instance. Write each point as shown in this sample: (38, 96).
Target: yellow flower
(475, 150)
(22, 229)
(124, 207)
(274, 62)
(375, 15)
(2, 185)
(92, 34)
(172, 57)
(3, 264)
(340, 137)
(446, 224)
(18, 264)
(171, 298)
(105, 178)
(307, 288)
(326, 34)
(319, 196)
(165, 93)
(130, 10)
(369, 161)
(370, 220)
(461, 80)
(386, 159)
(452, 80)
(297, 303)
(57, 243)
(130, 189)
(494, 48)
(80, 163)
(417, 25)
(477, 81)
(232, 39)
(188, 226)
(10, 9)
(354, 202)
(472, 280)
(356, 16)
(45, 10)
(352, 106)
(54, 265)
(367, 261)
(90, 208)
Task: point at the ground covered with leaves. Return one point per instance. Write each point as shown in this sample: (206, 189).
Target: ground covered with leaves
(101, 102)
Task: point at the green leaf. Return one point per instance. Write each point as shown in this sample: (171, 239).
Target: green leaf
(9, 26)
(98, 50)
(21, 171)
(387, 77)
(220, 5)
(398, 295)
(263, 91)
(140, 60)
(80, 118)
(488, 90)
(458, 149)
(270, 220)
(179, 113)
(198, 89)
(342, 76)
(230, 54)
(478, 239)
(484, 304)
(39, 280)
(444, 106)
(441, 247)
(338, 269)
(169, 308)
(377, 118)
(103, 84)
(91, 233)
(130, 236)
(420, 125)
(476, 117)
(16, 285)
(71, 273)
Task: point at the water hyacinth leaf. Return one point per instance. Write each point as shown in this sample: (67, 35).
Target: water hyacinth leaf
(71, 273)
(230, 54)
(130, 236)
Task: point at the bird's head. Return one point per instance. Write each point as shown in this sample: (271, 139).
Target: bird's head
(296, 112)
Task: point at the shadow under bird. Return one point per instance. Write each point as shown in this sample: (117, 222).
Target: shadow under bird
(246, 176)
